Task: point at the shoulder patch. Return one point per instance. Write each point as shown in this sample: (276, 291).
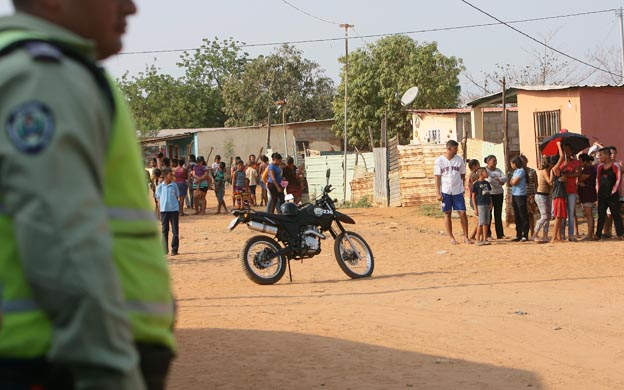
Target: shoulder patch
(30, 127)
(44, 52)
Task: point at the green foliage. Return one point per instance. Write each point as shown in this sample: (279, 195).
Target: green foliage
(284, 74)
(160, 101)
(431, 210)
(363, 203)
(380, 73)
(228, 147)
(222, 86)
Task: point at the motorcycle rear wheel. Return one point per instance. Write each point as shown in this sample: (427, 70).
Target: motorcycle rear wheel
(353, 255)
(254, 265)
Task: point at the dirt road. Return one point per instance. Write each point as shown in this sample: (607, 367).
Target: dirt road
(433, 316)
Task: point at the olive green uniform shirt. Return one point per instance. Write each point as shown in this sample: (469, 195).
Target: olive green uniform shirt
(54, 199)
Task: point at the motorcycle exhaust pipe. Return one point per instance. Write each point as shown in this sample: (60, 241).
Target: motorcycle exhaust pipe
(262, 227)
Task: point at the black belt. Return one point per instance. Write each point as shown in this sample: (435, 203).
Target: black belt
(542, 193)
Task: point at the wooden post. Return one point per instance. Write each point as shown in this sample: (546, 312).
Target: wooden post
(505, 127)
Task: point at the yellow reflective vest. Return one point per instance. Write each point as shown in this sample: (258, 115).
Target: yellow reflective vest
(25, 330)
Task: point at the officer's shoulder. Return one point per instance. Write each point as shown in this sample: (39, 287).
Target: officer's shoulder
(43, 52)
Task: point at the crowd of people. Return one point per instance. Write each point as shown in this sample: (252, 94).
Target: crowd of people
(258, 182)
(565, 181)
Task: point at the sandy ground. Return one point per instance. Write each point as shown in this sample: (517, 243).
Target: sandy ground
(433, 316)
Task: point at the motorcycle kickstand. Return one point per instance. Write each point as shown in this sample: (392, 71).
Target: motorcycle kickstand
(289, 272)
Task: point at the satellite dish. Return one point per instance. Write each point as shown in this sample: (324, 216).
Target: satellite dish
(409, 96)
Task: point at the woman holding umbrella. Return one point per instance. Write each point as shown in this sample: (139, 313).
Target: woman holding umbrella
(572, 144)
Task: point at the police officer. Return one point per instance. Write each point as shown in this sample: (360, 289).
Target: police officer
(85, 295)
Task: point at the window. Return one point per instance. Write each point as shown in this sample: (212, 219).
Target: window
(433, 136)
(546, 123)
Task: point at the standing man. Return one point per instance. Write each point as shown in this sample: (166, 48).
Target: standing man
(85, 296)
(608, 179)
(450, 173)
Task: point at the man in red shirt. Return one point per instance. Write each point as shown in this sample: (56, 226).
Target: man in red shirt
(571, 169)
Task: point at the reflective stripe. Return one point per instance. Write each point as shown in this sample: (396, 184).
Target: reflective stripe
(20, 306)
(26, 305)
(131, 214)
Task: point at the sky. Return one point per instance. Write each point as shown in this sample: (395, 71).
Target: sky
(182, 24)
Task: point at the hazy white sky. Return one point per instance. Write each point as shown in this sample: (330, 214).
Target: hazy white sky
(181, 24)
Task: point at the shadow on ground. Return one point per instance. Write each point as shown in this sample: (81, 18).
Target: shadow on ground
(250, 359)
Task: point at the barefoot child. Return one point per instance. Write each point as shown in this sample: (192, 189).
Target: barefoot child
(240, 183)
(219, 183)
(483, 205)
(559, 195)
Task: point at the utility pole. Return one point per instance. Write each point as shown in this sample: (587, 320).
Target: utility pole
(269, 132)
(505, 127)
(620, 14)
(346, 27)
(281, 105)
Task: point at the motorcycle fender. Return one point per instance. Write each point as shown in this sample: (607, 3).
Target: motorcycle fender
(344, 218)
(234, 223)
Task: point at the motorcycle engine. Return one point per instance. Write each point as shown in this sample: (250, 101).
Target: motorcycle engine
(310, 240)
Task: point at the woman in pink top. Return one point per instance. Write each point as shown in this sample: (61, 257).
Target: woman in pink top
(181, 175)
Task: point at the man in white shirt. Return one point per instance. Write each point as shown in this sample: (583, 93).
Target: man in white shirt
(450, 173)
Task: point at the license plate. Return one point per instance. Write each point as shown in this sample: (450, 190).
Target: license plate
(232, 224)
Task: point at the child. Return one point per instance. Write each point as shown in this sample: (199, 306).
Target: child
(167, 195)
(264, 197)
(219, 182)
(608, 183)
(252, 178)
(240, 183)
(473, 166)
(559, 195)
(482, 202)
(156, 173)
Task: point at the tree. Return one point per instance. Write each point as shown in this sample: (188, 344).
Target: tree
(545, 67)
(285, 74)
(159, 101)
(380, 73)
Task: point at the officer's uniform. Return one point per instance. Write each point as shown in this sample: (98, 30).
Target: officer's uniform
(83, 281)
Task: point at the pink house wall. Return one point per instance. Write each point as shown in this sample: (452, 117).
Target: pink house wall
(602, 116)
(567, 101)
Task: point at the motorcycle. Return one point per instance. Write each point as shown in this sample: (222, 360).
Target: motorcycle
(297, 235)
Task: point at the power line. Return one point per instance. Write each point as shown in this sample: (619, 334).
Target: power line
(438, 29)
(307, 13)
(538, 41)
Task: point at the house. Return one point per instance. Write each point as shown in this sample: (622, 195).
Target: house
(437, 126)
(293, 139)
(596, 111)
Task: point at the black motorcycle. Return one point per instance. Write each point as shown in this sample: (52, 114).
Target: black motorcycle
(297, 235)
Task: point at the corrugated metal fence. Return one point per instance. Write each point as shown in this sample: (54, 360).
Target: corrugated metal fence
(316, 167)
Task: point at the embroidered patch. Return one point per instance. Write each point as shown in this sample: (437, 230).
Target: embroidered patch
(30, 127)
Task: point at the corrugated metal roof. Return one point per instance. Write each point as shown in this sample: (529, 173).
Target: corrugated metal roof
(558, 87)
(440, 111)
(512, 92)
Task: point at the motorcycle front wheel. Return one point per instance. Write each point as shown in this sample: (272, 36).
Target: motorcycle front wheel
(255, 263)
(353, 255)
